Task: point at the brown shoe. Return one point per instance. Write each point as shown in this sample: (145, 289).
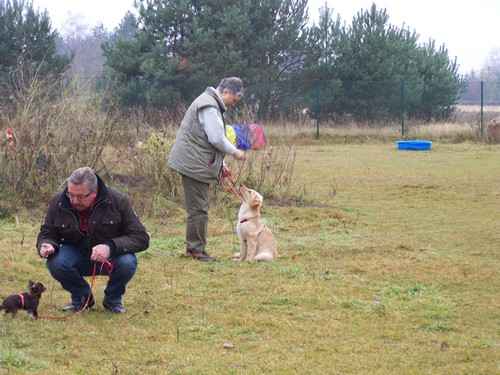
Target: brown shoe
(203, 256)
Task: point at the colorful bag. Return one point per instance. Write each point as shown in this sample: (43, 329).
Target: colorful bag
(243, 136)
(230, 134)
(259, 141)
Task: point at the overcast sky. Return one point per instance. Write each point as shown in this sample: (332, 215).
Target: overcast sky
(469, 32)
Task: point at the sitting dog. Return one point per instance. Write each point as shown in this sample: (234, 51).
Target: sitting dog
(256, 239)
(24, 301)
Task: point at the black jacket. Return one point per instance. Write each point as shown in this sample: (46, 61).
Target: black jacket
(112, 221)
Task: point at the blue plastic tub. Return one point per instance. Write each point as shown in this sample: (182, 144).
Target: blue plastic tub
(414, 145)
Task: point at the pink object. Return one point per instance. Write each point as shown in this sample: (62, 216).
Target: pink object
(259, 141)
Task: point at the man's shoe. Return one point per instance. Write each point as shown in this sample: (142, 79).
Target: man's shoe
(203, 256)
(80, 306)
(116, 308)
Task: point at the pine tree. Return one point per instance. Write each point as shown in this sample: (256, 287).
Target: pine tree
(181, 46)
(373, 60)
(27, 43)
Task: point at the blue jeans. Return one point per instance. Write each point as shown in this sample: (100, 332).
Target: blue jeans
(69, 265)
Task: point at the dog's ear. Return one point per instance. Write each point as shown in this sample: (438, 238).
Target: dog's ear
(30, 284)
(255, 202)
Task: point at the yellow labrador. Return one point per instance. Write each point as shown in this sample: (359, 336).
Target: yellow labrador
(256, 239)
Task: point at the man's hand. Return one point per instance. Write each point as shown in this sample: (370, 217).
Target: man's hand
(225, 172)
(239, 155)
(46, 249)
(100, 253)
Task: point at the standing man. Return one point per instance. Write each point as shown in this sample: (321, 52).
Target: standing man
(198, 155)
(89, 223)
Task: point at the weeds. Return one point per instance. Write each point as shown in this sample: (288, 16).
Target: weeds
(51, 139)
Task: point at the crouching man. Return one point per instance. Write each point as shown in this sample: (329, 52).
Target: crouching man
(87, 223)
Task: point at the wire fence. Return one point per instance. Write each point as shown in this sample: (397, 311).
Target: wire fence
(330, 103)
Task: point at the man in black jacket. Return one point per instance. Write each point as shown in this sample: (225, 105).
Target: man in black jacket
(89, 223)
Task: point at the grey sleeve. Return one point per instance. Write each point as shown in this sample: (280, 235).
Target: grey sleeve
(212, 123)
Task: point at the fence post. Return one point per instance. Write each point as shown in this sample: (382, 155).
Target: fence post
(137, 90)
(402, 108)
(482, 107)
(317, 109)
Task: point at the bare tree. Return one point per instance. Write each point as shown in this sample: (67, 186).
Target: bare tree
(85, 42)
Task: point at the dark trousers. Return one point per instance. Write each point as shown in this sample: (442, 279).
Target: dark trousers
(197, 199)
(69, 265)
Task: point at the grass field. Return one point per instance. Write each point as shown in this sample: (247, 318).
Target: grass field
(388, 264)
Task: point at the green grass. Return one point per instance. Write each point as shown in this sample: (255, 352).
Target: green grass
(388, 265)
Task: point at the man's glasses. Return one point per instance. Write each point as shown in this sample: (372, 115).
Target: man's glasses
(77, 197)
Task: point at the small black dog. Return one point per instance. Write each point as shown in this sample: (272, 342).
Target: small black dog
(24, 301)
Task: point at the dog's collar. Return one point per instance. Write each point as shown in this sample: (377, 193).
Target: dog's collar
(247, 219)
(22, 301)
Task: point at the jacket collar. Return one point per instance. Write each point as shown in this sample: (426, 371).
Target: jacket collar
(213, 92)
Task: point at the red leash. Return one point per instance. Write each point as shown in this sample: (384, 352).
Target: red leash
(109, 268)
(228, 185)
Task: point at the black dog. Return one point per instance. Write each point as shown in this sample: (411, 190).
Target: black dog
(24, 301)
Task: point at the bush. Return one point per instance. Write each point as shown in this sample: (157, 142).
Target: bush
(58, 128)
(54, 133)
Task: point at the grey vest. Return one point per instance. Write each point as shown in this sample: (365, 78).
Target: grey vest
(192, 154)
